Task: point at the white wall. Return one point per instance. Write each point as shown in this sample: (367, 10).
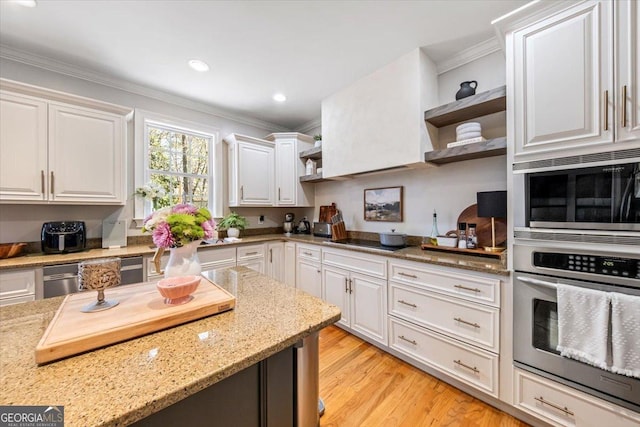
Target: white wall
(489, 71)
(448, 189)
(22, 223)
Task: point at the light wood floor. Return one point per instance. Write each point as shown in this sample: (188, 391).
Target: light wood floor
(362, 385)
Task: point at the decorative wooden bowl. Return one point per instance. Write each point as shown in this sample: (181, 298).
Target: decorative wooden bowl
(178, 290)
(9, 250)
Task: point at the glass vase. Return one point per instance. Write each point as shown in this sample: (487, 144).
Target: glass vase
(183, 261)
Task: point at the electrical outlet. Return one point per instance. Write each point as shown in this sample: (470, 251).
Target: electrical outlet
(261, 219)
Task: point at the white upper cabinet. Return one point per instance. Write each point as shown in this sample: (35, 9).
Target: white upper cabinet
(251, 171)
(70, 152)
(627, 22)
(86, 162)
(565, 85)
(377, 122)
(23, 147)
(289, 167)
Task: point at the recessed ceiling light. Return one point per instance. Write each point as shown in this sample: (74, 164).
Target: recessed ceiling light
(26, 3)
(198, 65)
(279, 97)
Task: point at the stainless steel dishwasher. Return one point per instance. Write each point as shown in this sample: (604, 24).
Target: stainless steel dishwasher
(63, 279)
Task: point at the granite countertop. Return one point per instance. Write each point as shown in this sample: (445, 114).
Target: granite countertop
(411, 253)
(125, 382)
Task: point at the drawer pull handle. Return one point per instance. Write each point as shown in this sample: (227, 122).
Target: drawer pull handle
(553, 405)
(402, 337)
(474, 369)
(466, 288)
(251, 253)
(307, 253)
(457, 319)
(407, 303)
(413, 276)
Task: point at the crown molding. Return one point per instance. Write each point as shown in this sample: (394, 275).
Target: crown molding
(56, 66)
(310, 125)
(471, 54)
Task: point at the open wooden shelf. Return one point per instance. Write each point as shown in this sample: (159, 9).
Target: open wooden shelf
(314, 153)
(481, 104)
(489, 148)
(312, 178)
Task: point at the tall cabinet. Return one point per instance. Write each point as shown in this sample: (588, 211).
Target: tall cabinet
(572, 78)
(59, 148)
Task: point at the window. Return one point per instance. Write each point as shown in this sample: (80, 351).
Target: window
(178, 159)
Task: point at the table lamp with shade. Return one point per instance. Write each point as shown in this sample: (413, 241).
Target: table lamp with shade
(492, 204)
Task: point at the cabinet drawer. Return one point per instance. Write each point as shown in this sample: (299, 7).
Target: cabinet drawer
(359, 262)
(217, 255)
(471, 365)
(461, 285)
(251, 251)
(309, 252)
(474, 323)
(17, 283)
(564, 406)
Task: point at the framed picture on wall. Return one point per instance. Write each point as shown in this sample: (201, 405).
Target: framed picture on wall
(383, 204)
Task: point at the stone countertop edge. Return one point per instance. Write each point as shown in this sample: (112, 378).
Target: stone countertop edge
(411, 253)
(126, 382)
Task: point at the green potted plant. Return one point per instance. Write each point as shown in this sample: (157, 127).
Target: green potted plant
(318, 139)
(233, 223)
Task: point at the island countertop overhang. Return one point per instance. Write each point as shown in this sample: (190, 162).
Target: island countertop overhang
(120, 384)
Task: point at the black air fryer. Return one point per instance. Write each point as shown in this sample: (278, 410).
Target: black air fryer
(63, 236)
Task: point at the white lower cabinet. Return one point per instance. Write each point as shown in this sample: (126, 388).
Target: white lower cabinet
(17, 286)
(252, 256)
(560, 405)
(469, 364)
(275, 260)
(356, 282)
(210, 258)
(289, 260)
(308, 269)
(474, 323)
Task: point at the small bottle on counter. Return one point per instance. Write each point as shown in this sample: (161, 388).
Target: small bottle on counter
(433, 237)
(462, 235)
(472, 238)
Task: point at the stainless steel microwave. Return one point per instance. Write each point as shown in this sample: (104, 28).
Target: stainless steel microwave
(593, 198)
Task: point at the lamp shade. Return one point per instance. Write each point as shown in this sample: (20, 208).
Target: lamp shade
(492, 204)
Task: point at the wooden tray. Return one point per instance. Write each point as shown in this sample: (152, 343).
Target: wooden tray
(475, 252)
(141, 311)
(483, 227)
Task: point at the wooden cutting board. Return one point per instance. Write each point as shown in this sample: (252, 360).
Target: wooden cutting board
(483, 227)
(326, 212)
(141, 311)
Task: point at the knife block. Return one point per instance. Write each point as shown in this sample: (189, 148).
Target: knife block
(338, 231)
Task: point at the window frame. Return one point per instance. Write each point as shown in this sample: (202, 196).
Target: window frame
(142, 121)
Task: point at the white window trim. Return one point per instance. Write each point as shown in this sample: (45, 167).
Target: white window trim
(141, 118)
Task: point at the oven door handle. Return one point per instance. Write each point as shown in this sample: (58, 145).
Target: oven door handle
(538, 282)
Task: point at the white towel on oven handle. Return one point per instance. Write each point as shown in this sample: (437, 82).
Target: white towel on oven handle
(625, 334)
(583, 325)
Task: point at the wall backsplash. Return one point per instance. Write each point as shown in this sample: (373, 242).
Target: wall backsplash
(448, 189)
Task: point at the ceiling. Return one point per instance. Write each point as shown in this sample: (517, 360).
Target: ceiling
(307, 50)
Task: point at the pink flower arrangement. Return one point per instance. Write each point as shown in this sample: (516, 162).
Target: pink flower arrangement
(175, 226)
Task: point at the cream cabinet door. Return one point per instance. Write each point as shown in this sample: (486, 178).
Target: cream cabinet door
(563, 82)
(286, 172)
(255, 174)
(336, 291)
(275, 260)
(309, 277)
(290, 264)
(86, 155)
(628, 70)
(23, 148)
(369, 306)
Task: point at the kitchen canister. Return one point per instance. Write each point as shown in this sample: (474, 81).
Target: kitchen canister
(310, 167)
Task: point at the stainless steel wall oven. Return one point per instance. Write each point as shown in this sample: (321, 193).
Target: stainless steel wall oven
(539, 269)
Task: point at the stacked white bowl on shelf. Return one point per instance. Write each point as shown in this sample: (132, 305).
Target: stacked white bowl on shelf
(467, 131)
